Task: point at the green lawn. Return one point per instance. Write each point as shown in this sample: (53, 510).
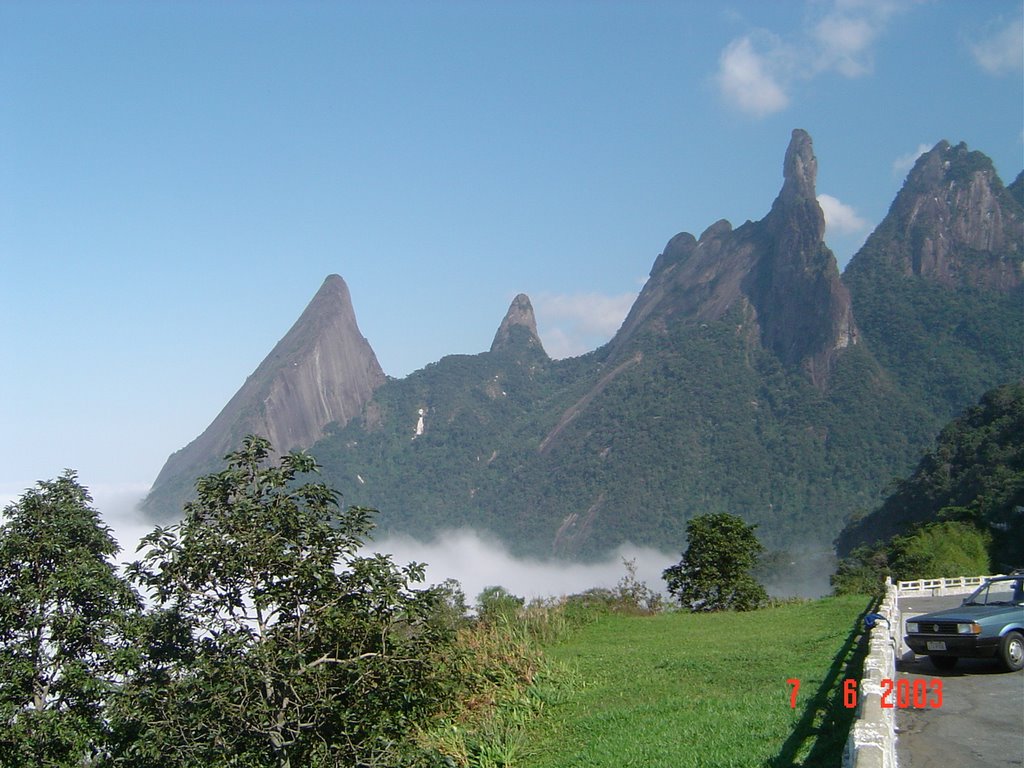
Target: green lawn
(679, 690)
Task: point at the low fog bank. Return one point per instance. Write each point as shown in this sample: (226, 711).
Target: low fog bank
(465, 556)
(477, 562)
(802, 575)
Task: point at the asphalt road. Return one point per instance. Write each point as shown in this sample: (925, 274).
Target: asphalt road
(981, 720)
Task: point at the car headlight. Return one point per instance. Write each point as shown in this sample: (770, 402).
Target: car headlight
(969, 629)
(912, 627)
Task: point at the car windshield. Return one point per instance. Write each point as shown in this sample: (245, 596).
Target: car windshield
(998, 593)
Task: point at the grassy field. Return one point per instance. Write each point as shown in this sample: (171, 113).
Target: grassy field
(680, 690)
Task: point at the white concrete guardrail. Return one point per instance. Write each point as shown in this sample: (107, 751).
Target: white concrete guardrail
(872, 739)
(961, 585)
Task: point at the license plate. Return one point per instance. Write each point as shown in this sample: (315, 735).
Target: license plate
(936, 645)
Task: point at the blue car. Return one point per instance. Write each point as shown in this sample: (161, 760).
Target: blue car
(989, 623)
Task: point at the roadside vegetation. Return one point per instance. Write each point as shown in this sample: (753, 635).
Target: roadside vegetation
(961, 512)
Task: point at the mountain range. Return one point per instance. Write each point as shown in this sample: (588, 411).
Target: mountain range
(749, 377)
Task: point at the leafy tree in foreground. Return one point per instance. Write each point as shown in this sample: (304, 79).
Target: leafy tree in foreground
(272, 643)
(62, 611)
(714, 574)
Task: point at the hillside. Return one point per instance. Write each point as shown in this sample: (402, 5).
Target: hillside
(740, 381)
(939, 286)
(973, 474)
(749, 377)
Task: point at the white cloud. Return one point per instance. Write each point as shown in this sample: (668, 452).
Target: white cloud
(840, 218)
(757, 71)
(477, 563)
(118, 506)
(559, 344)
(1002, 52)
(750, 80)
(902, 164)
(845, 44)
(572, 324)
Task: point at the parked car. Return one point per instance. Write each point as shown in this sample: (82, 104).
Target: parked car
(989, 623)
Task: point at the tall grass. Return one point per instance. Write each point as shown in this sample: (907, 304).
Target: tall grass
(505, 682)
(681, 690)
(594, 681)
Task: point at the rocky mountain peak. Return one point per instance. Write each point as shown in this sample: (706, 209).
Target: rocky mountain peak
(795, 211)
(800, 168)
(778, 270)
(518, 328)
(334, 294)
(952, 223)
(1016, 189)
(322, 371)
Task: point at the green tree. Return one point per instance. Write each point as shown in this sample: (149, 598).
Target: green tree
(863, 572)
(272, 642)
(714, 574)
(63, 614)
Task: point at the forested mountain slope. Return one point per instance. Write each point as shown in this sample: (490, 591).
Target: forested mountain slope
(749, 377)
(973, 474)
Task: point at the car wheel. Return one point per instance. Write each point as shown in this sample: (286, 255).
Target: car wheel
(1011, 651)
(943, 662)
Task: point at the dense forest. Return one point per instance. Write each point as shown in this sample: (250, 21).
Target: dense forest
(960, 512)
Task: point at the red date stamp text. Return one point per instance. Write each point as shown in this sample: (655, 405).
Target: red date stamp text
(900, 694)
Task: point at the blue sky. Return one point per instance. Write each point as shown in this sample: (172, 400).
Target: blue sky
(177, 179)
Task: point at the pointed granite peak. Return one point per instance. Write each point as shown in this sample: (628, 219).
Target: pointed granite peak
(321, 372)
(331, 303)
(800, 168)
(778, 271)
(947, 162)
(518, 327)
(952, 223)
(333, 284)
(797, 203)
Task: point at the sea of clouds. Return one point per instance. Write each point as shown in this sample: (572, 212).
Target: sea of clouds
(475, 560)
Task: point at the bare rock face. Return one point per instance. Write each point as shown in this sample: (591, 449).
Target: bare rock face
(322, 371)
(954, 223)
(519, 327)
(778, 271)
(804, 309)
